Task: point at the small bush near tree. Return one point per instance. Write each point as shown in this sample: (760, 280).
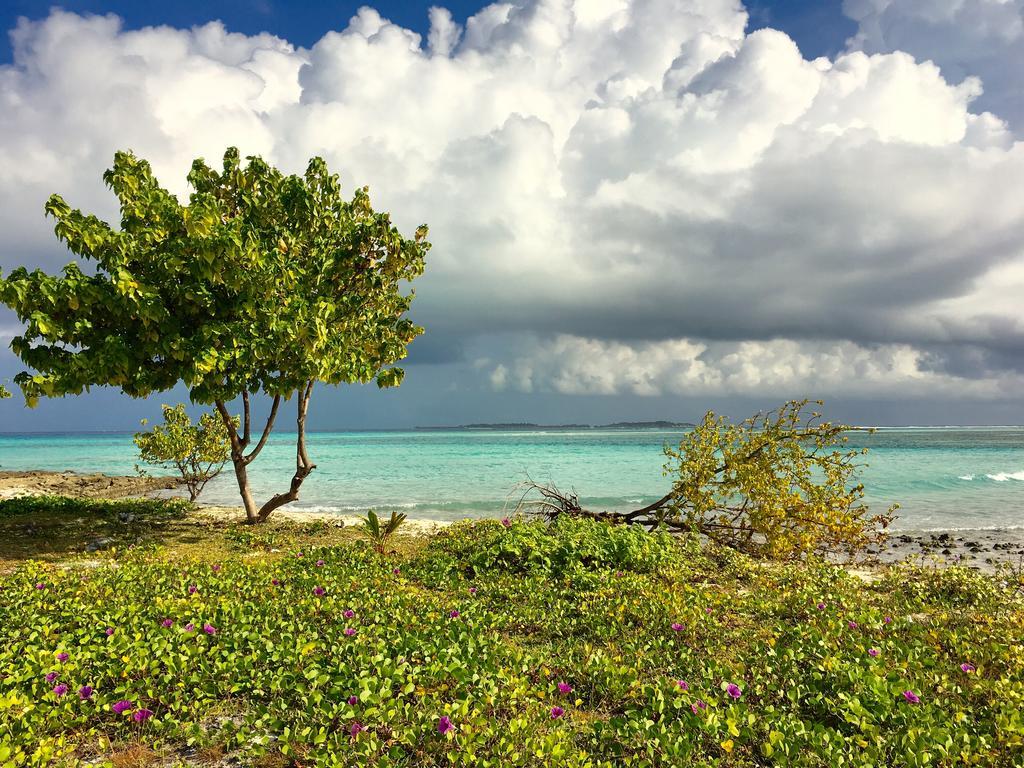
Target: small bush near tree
(381, 532)
(196, 452)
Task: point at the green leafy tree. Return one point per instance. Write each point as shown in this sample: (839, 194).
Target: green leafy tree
(781, 484)
(4, 392)
(263, 283)
(197, 452)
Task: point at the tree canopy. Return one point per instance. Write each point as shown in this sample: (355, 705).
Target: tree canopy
(263, 282)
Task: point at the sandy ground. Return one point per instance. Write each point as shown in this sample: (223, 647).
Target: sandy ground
(94, 486)
(981, 549)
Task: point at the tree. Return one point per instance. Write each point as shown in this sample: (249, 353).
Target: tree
(263, 283)
(780, 484)
(4, 392)
(197, 452)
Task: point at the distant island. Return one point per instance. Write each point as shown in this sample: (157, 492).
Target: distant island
(526, 425)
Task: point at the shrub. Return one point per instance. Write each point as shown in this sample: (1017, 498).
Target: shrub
(197, 452)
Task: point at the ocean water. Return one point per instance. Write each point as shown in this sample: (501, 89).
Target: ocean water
(944, 478)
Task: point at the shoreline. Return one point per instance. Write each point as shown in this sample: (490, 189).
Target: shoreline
(979, 549)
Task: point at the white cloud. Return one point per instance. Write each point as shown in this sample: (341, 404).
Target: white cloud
(636, 173)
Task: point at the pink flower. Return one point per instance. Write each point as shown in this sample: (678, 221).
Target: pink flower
(353, 700)
(319, 591)
(275, 582)
(60, 689)
(872, 652)
(348, 613)
(192, 589)
(109, 631)
(821, 606)
(51, 676)
(444, 725)
(697, 706)
(40, 585)
(62, 657)
(676, 627)
(851, 624)
(396, 571)
(564, 688)
(167, 623)
(912, 697)
(556, 712)
(349, 631)
(733, 690)
(209, 629)
(355, 728)
(142, 715)
(472, 590)
(190, 627)
(887, 620)
(453, 614)
(506, 522)
(85, 692)
(121, 706)
(320, 564)
(965, 667)
(298, 554)
(683, 685)
(708, 609)
(215, 568)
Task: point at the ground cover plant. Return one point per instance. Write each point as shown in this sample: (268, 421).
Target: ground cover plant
(502, 643)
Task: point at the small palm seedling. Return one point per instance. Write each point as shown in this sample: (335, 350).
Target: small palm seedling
(380, 533)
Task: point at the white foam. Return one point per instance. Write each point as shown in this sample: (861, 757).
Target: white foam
(1002, 477)
(965, 477)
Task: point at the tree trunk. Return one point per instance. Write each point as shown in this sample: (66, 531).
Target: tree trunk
(303, 466)
(241, 460)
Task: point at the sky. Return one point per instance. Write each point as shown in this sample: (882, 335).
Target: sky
(640, 209)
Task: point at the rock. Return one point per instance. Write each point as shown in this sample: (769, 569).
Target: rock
(98, 544)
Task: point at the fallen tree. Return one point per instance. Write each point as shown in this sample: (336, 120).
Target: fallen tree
(781, 484)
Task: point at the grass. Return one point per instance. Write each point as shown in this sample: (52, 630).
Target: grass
(321, 651)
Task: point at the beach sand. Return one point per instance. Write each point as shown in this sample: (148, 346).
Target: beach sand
(980, 549)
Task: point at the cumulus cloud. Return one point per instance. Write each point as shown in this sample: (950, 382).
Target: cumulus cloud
(636, 182)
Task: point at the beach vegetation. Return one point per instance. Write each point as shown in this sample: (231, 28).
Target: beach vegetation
(263, 283)
(195, 452)
(381, 532)
(616, 648)
(780, 484)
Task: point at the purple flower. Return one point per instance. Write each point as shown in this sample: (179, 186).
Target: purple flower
(40, 585)
(190, 627)
(349, 631)
(320, 564)
(167, 623)
(298, 554)
(912, 697)
(60, 689)
(62, 657)
(275, 582)
(564, 688)
(85, 692)
(733, 690)
(556, 712)
(51, 676)
(821, 606)
(444, 725)
(355, 728)
(851, 624)
(472, 590)
(142, 715)
(677, 627)
(506, 522)
(708, 609)
(872, 652)
(109, 631)
(353, 700)
(348, 613)
(683, 685)
(319, 591)
(121, 706)
(192, 589)
(619, 574)
(965, 667)
(887, 620)
(215, 568)
(697, 706)
(396, 571)
(209, 629)
(453, 614)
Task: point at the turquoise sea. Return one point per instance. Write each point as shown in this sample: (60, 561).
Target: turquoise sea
(944, 478)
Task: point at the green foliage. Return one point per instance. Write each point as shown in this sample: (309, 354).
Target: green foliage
(197, 452)
(4, 392)
(380, 533)
(263, 282)
(566, 544)
(274, 680)
(72, 507)
(780, 484)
